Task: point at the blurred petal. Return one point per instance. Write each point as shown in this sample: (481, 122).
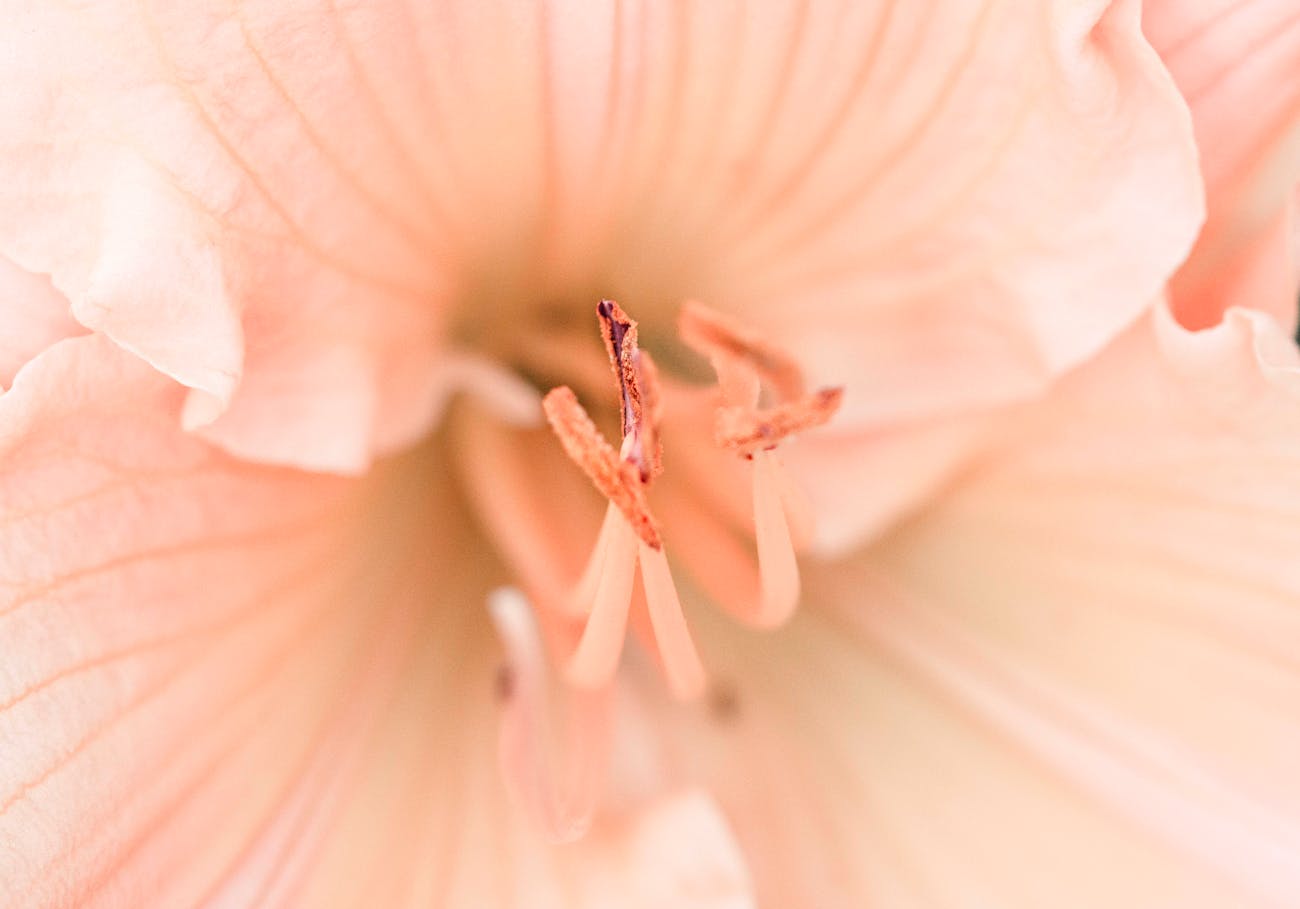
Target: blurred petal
(1238, 64)
(927, 202)
(277, 202)
(1071, 681)
(976, 202)
(860, 482)
(235, 685)
(555, 775)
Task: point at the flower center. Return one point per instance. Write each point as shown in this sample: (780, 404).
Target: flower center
(696, 472)
(740, 548)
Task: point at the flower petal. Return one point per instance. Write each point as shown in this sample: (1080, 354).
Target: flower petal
(947, 194)
(861, 482)
(1238, 64)
(227, 684)
(1071, 681)
(276, 202)
(927, 202)
(169, 168)
(159, 603)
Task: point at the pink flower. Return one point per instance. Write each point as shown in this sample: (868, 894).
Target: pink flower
(284, 287)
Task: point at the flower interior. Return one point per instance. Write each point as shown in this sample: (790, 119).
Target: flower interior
(729, 434)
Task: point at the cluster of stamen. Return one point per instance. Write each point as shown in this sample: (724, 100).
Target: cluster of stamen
(561, 795)
(630, 536)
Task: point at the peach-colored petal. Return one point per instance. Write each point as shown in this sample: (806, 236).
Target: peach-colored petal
(859, 482)
(211, 185)
(279, 202)
(977, 203)
(165, 631)
(156, 286)
(1072, 680)
(238, 685)
(526, 487)
(1238, 64)
(679, 853)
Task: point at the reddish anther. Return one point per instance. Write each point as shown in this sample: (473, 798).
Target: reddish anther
(637, 388)
(617, 479)
(748, 430)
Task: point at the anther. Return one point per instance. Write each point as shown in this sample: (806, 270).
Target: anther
(618, 479)
(637, 388)
(747, 430)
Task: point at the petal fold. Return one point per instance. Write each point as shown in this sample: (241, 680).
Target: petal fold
(157, 287)
(1238, 65)
(214, 189)
(33, 315)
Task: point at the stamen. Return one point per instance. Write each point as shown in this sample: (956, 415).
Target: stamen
(584, 592)
(794, 501)
(629, 534)
(778, 570)
(596, 657)
(618, 480)
(681, 663)
(738, 382)
(562, 801)
(710, 334)
(747, 430)
(782, 521)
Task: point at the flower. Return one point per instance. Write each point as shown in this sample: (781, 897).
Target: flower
(1044, 652)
